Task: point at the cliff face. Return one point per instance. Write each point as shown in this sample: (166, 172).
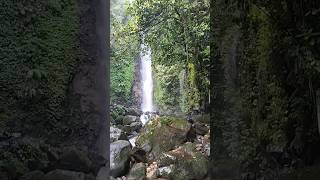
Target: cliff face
(136, 88)
(87, 93)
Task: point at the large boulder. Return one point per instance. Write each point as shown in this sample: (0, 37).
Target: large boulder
(128, 119)
(138, 172)
(119, 157)
(187, 163)
(163, 134)
(67, 175)
(117, 134)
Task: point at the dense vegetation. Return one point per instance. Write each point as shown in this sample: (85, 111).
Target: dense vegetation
(180, 51)
(268, 53)
(38, 55)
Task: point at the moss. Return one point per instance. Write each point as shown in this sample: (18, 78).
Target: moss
(40, 45)
(164, 133)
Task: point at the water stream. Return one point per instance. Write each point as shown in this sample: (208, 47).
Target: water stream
(147, 83)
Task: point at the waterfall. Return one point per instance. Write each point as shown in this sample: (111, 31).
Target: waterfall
(146, 77)
(147, 83)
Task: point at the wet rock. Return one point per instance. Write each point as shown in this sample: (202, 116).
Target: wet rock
(128, 119)
(138, 171)
(67, 175)
(119, 157)
(34, 175)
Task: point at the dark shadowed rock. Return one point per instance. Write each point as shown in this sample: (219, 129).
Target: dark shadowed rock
(119, 157)
(74, 160)
(138, 172)
(200, 128)
(67, 175)
(138, 155)
(135, 126)
(34, 175)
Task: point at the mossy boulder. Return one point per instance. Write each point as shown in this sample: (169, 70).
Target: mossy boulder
(163, 134)
(188, 163)
(138, 172)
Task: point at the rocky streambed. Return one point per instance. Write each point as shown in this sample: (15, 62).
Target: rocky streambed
(166, 147)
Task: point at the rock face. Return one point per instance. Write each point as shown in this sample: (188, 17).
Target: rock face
(163, 134)
(138, 172)
(119, 157)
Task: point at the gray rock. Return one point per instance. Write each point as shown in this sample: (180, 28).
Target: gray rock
(133, 112)
(33, 175)
(135, 126)
(117, 134)
(128, 119)
(138, 171)
(67, 175)
(165, 172)
(119, 157)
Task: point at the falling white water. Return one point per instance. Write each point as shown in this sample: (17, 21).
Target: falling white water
(146, 78)
(147, 83)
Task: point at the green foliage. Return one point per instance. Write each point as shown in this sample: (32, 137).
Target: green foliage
(38, 45)
(167, 87)
(125, 50)
(177, 39)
